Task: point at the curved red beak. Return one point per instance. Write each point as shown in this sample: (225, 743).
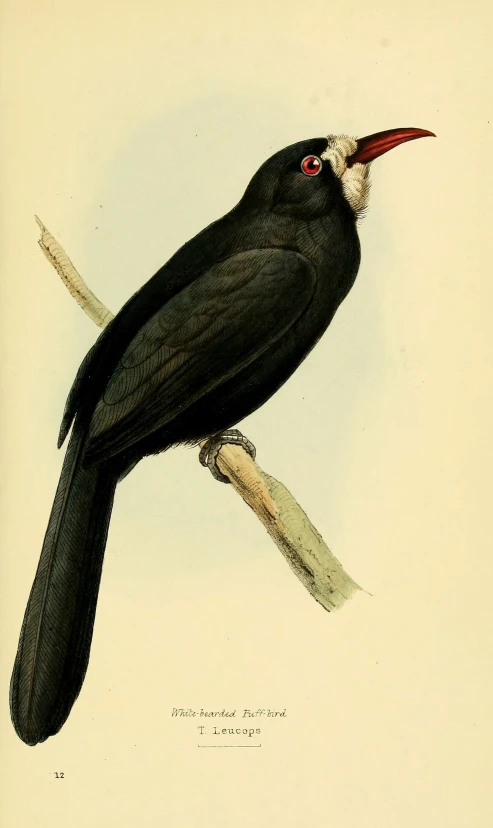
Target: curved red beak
(372, 146)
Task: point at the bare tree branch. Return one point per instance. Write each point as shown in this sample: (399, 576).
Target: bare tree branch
(286, 522)
(72, 280)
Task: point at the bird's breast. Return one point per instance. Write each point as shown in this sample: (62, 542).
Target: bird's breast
(331, 244)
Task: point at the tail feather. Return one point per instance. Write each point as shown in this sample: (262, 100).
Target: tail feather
(56, 634)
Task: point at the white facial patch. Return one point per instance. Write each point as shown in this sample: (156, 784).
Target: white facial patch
(356, 179)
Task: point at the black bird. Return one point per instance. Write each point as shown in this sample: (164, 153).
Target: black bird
(206, 341)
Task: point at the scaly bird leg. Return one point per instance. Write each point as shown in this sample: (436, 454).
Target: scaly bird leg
(210, 450)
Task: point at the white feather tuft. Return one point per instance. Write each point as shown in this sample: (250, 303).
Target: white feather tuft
(356, 179)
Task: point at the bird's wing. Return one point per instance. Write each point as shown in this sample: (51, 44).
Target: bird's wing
(200, 338)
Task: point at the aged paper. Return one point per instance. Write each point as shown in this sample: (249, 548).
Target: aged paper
(127, 129)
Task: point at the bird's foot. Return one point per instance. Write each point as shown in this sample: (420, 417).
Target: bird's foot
(211, 448)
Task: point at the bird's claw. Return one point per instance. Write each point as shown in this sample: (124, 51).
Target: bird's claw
(211, 448)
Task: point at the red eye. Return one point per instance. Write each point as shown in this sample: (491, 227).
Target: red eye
(311, 165)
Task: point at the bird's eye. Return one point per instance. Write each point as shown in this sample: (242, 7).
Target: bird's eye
(311, 165)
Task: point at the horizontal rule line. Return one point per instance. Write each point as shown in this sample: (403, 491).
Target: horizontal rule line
(229, 746)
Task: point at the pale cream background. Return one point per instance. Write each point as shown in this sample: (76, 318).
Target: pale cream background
(127, 128)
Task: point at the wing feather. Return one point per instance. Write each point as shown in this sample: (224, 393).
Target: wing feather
(200, 338)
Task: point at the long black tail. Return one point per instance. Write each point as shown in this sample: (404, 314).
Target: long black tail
(56, 635)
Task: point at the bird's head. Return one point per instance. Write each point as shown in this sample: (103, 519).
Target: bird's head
(310, 178)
